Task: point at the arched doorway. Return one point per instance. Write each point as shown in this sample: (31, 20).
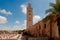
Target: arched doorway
(58, 23)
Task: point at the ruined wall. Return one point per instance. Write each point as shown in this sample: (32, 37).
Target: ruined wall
(39, 30)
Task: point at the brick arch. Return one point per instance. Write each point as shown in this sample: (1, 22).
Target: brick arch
(58, 23)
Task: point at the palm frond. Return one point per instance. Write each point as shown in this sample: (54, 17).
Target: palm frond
(52, 4)
(50, 10)
(47, 18)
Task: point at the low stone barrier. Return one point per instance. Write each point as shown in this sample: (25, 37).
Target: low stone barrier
(39, 38)
(34, 38)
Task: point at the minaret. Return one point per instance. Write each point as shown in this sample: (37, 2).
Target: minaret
(29, 15)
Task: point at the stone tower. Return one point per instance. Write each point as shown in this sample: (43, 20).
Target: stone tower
(29, 16)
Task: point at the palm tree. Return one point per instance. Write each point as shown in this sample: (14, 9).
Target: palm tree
(54, 11)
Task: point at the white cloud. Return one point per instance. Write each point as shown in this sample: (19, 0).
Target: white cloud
(3, 20)
(36, 18)
(17, 22)
(5, 12)
(24, 8)
(25, 23)
(18, 25)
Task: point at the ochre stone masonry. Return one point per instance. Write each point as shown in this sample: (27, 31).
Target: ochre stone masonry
(41, 28)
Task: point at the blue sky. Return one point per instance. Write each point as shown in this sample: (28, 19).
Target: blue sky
(13, 13)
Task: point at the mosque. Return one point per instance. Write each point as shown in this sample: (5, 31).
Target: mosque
(42, 28)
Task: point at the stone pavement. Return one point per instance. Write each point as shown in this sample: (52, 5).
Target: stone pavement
(10, 36)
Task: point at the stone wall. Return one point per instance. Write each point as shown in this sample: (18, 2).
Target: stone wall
(34, 38)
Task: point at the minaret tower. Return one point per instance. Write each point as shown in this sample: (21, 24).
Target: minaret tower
(29, 15)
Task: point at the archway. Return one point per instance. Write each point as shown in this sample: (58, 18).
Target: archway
(58, 23)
